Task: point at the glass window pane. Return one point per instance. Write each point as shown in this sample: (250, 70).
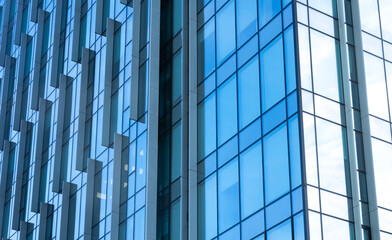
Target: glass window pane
(207, 209)
(282, 231)
(291, 78)
(206, 127)
(228, 199)
(267, 10)
(175, 219)
(382, 153)
(246, 20)
(233, 233)
(206, 50)
(176, 77)
(176, 152)
(272, 78)
(177, 16)
(276, 166)
(326, 75)
(369, 16)
(295, 156)
(251, 176)
(335, 229)
(253, 226)
(331, 163)
(225, 35)
(227, 110)
(299, 228)
(249, 92)
(326, 6)
(278, 211)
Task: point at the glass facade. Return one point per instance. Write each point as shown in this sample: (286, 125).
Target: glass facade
(205, 119)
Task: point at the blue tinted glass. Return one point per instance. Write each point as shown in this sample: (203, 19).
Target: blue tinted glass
(299, 228)
(270, 31)
(225, 32)
(274, 117)
(233, 233)
(206, 87)
(228, 151)
(251, 176)
(289, 54)
(267, 10)
(282, 231)
(287, 16)
(292, 104)
(228, 199)
(250, 134)
(285, 2)
(276, 167)
(206, 129)
(227, 110)
(207, 209)
(297, 201)
(207, 166)
(206, 50)
(249, 92)
(253, 226)
(272, 78)
(295, 157)
(139, 224)
(247, 51)
(141, 161)
(226, 70)
(246, 20)
(278, 211)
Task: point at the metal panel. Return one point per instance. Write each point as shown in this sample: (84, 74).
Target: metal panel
(87, 57)
(54, 79)
(18, 24)
(120, 182)
(25, 229)
(127, 2)
(34, 11)
(19, 91)
(37, 61)
(4, 34)
(64, 82)
(93, 166)
(112, 27)
(152, 122)
(3, 184)
(43, 106)
(99, 17)
(46, 211)
(134, 94)
(68, 190)
(76, 32)
(9, 62)
(25, 127)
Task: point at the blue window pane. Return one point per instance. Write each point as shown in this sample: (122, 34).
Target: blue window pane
(226, 70)
(276, 167)
(292, 104)
(206, 129)
(227, 111)
(267, 10)
(228, 199)
(206, 50)
(278, 211)
(141, 161)
(251, 176)
(250, 134)
(246, 20)
(249, 93)
(289, 54)
(225, 35)
(139, 224)
(253, 226)
(287, 16)
(207, 209)
(270, 31)
(233, 233)
(206, 167)
(295, 157)
(227, 151)
(297, 201)
(299, 228)
(274, 117)
(282, 231)
(247, 51)
(272, 78)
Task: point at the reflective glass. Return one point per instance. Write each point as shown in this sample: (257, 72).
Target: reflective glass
(326, 73)
(225, 32)
(253, 226)
(206, 127)
(278, 211)
(272, 77)
(233, 233)
(176, 152)
(249, 92)
(207, 208)
(335, 229)
(299, 228)
(386, 19)
(314, 226)
(251, 176)
(228, 198)
(226, 110)
(326, 6)
(267, 10)
(282, 231)
(382, 153)
(369, 17)
(246, 20)
(206, 50)
(334, 205)
(304, 57)
(276, 166)
(294, 150)
(176, 77)
(289, 57)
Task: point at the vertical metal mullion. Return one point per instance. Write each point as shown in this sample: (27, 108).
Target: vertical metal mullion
(4, 176)
(134, 94)
(18, 24)
(46, 211)
(76, 32)
(58, 18)
(4, 34)
(25, 229)
(68, 190)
